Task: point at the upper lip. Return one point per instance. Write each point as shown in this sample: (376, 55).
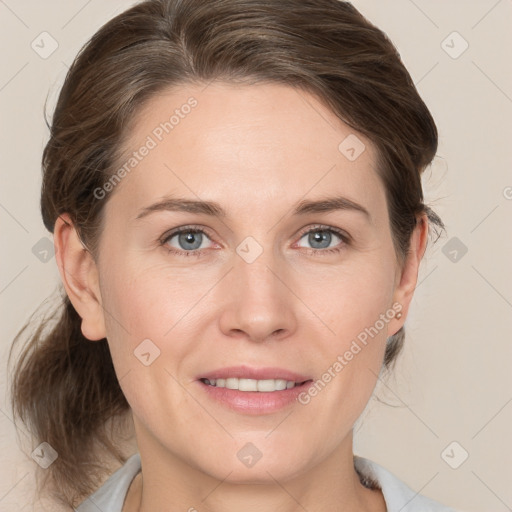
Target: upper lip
(247, 372)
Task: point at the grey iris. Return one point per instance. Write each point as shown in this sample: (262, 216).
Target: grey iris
(318, 237)
(188, 238)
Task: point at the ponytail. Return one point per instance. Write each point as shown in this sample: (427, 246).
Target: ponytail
(64, 389)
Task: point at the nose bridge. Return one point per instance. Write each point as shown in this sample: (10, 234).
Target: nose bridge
(255, 267)
(260, 304)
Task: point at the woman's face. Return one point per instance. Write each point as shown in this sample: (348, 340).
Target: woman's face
(270, 283)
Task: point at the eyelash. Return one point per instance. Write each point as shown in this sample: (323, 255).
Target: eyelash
(198, 252)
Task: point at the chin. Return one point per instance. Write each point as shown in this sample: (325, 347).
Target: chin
(262, 470)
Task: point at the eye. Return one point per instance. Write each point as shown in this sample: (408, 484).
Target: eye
(320, 239)
(186, 241)
(191, 241)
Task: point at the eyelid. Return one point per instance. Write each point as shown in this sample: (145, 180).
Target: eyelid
(323, 227)
(189, 227)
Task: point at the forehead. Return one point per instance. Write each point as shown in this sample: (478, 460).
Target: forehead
(253, 146)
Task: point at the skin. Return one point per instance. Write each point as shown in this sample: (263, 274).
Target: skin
(257, 150)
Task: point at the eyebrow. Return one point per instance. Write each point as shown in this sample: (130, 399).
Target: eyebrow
(324, 205)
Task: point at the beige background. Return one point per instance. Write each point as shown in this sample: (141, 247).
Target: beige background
(453, 381)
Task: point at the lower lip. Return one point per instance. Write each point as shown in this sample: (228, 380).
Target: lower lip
(255, 402)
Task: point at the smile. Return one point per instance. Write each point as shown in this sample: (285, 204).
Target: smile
(263, 386)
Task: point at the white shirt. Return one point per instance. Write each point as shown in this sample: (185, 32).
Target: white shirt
(398, 497)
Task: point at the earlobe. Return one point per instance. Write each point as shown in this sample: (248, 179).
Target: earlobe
(408, 275)
(79, 276)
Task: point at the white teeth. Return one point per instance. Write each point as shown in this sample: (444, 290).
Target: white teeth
(231, 383)
(265, 386)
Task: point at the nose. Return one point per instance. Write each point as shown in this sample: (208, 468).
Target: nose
(260, 303)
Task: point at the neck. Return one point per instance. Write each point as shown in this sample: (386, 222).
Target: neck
(168, 482)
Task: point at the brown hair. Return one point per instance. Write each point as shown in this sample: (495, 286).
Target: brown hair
(65, 387)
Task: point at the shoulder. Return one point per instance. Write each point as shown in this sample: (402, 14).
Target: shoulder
(397, 495)
(110, 496)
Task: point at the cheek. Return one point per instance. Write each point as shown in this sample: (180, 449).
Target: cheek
(351, 300)
(160, 311)
(138, 309)
(153, 300)
(149, 336)
(356, 306)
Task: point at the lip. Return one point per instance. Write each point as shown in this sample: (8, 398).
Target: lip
(248, 372)
(254, 403)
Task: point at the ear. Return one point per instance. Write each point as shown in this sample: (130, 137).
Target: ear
(407, 276)
(79, 275)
